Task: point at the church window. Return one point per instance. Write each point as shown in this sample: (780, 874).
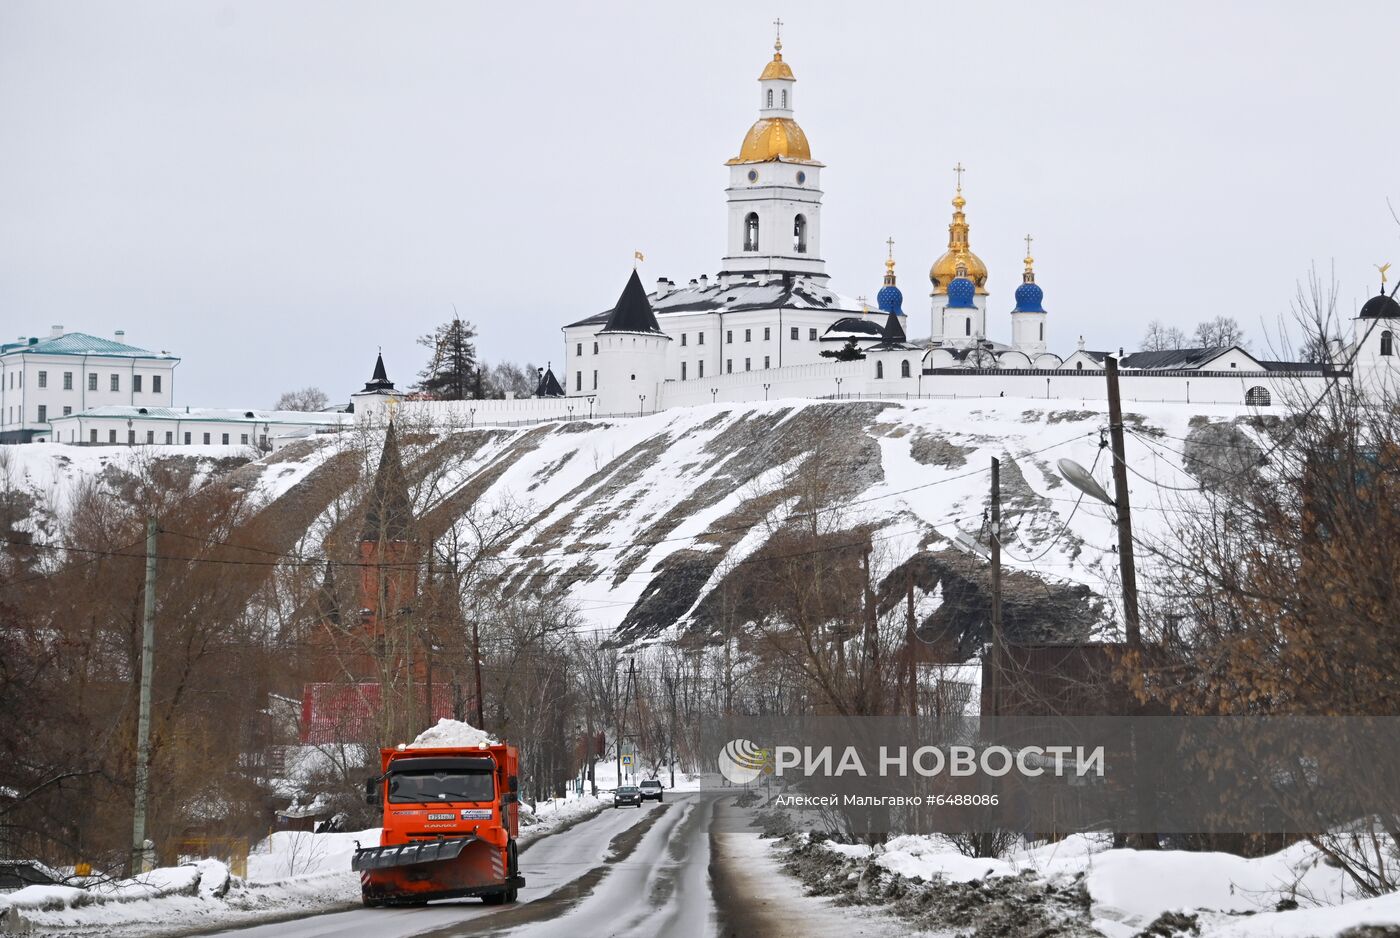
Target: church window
(794, 333)
(747, 365)
(767, 334)
(799, 234)
(765, 361)
(729, 337)
(967, 326)
(43, 379)
(784, 97)
(578, 349)
(224, 437)
(68, 381)
(92, 381)
(116, 382)
(879, 370)
(578, 381)
(682, 371)
(1042, 332)
(1078, 366)
(729, 366)
(751, 232)
(811, 335)
(136, 383)
(770, 97)
(595, 379)
(904, 368)
(206, 438)
(187, 437)
(1257, 397)
(700, 369)
(682, 340)
(700, 338)
(92, 436)
(1387, 343)
(155, 384)
(748, 335)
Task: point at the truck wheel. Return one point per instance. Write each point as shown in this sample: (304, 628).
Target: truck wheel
(513, 866)
(369, 901)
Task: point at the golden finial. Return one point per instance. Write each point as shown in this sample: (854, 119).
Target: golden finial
(778, 36)
(1383, 268)
(889, 261)
(959, 170)
(1029, 275)
(863, 307)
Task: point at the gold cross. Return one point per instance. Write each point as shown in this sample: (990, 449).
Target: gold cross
(890, 241)
(959, 170)
(778, 41)
(1028, 245)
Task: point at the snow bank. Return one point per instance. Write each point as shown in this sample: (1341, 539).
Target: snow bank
(453, 734)
(292, 854)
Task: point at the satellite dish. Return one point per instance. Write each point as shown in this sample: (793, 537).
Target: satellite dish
(1077, 476)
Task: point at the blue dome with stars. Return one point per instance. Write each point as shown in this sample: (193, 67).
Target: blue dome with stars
(960, 293)
(891, 300)
(1028, 298)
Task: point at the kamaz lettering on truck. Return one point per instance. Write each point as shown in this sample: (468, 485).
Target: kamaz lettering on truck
(451, 818)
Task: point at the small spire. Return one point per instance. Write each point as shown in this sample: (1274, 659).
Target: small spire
(778, 39)
(889, 262)
(959, 169)
(1029, 275)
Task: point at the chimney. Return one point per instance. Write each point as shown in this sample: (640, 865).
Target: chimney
(662, 287)
(55, 332)
(121, 333)
(1120, 351)
(1081, 343)
(704, 281)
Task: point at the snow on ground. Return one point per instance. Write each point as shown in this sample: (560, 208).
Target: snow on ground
(1129, 889)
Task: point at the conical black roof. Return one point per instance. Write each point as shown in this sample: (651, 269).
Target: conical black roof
(328, 605)
(894, 329)
(632, 312)
(389, 516)
(380, 381)
(549, 385)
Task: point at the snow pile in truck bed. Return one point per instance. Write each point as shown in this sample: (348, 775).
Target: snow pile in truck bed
(453, 734)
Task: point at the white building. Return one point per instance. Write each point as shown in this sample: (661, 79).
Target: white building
(770, 326)
(124, 425)
(68, 372)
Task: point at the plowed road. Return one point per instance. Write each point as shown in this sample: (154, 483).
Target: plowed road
(661, 871)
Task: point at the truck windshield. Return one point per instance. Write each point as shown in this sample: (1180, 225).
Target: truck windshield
(423, 787)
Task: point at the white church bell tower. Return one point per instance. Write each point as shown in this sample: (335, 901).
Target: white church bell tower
(774, 189)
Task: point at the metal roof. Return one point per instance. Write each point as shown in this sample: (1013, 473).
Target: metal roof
(786, 292)
(80, 343)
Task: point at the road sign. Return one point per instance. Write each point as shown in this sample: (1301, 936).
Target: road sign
(626, 760)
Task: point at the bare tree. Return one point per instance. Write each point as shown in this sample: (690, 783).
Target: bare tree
(305, 399)
(1220, 332)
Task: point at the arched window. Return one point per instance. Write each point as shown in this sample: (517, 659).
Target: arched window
(1042, 332)
(1387, 343)
(904, 368)
(1078, 366)
(751, 232)
(784, 97)
(799, 234)
(770, 97)
(1257, 397)
(879, 369)
(967, 326)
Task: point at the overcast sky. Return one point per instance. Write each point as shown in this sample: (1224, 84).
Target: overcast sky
(273, 190)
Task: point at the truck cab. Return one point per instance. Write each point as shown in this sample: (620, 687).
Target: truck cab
(451, 819)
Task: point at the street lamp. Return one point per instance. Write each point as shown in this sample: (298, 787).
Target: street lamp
(1079, 477)
(571, 413)
(130, 434)
(838, 388)
(766, 386)
(472, 412)
(713, 393)
(641, 404)
(590, 407)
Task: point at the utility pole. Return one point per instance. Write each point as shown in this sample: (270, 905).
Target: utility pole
(671, 686)
(618, 723)
(996, 587)
(476, 666)
(909, 639)
(141, 859)
(1131, 624)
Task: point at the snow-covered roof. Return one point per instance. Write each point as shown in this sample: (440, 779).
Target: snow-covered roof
(773, 292)
(80, 343)
(212, 415)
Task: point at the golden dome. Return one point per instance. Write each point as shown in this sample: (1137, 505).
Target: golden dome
(946, 267)
(774, 138)
(777, 69)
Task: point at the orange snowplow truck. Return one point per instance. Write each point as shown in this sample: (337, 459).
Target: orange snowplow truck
(451, 817)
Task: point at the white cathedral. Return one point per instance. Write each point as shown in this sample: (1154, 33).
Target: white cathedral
(769, 325)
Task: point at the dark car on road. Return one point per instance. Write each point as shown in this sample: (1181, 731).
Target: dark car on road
(651, 788)
(627, 794)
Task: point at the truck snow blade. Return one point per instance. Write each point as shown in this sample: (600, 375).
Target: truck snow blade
(423, 851)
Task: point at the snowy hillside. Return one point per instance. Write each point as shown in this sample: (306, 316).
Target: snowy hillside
(643, 520)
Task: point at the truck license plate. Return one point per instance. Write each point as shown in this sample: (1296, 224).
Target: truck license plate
(476, 814)
(439, 817)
